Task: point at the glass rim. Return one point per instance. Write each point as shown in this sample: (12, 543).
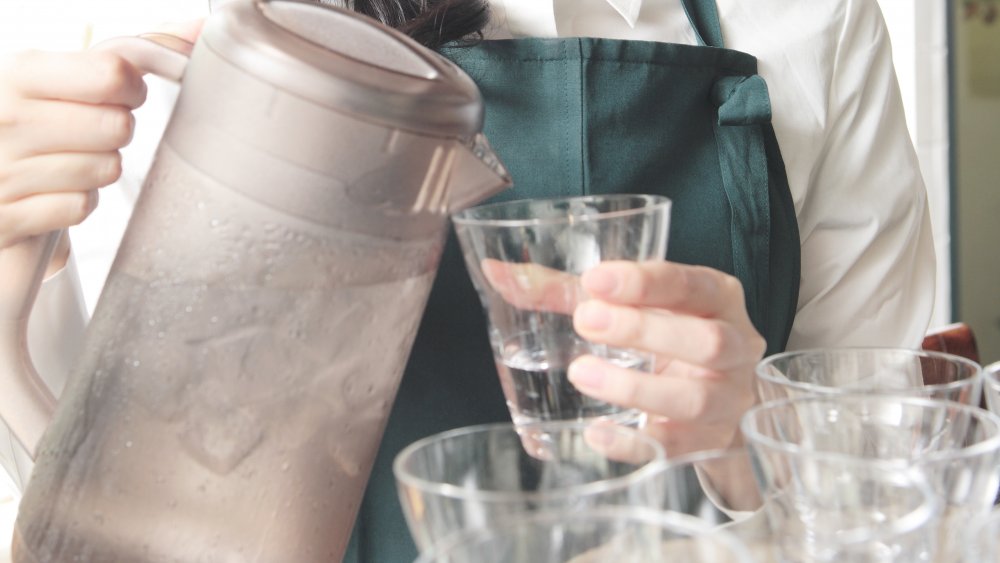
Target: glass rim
(909, 522)
(648, 469)
(687, 525)
(711, 454)
(464, 218)
(826, 390)
(750, 432)
(992, 372)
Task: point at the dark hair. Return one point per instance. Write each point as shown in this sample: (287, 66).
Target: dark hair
(431, 23)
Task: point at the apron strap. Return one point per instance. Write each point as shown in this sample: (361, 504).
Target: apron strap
(704, 18)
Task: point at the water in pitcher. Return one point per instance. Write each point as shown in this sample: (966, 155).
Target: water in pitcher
(229, 401)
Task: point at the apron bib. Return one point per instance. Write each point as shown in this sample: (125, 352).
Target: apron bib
(574, 116)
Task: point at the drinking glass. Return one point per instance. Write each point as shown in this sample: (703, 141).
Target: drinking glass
(525, 259)
(984, 543)
(823, 461)
(619, 534)
(479, 476)
(991, 386)
(718, 488)
(826, 371)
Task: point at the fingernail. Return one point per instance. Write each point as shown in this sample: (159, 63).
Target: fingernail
(586, 373)
(593, 316)
(600, 281)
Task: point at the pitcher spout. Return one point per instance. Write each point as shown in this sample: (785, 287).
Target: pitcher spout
(477, 174)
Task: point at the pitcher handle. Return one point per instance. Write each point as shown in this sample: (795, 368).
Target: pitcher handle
(26, 402)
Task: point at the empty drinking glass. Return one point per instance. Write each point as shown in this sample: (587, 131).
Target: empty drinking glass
(825, 371)
(618, 534)
(991, 386)
(525, 259)
(827, 463)
(478, 476)
(984, 541)
(719, 489)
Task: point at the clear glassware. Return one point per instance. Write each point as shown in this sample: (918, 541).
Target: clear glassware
(898, 371)
(525, 259)
(991, 386)
(620, 534)
(984, 541)
(718, 488)
(478, 476)
(817, 456)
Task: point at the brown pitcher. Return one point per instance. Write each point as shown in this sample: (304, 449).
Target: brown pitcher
(245, 352)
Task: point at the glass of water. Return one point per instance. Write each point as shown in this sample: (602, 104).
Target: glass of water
(481, 476)
(525, 259)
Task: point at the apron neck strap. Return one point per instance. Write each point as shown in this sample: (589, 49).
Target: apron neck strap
(704, 18)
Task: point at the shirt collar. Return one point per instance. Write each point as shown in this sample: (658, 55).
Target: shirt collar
(537, 18)
(629, 9)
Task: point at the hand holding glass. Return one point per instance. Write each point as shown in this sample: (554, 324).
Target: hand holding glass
(525, 259)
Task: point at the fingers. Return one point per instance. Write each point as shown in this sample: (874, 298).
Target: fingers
(63, 117)
(712, 343)
(622, 444)
(39, 127)
(684, 395)
(695, 290)
(62, 172)
(92, 77)
(43, 213)
(531, 286)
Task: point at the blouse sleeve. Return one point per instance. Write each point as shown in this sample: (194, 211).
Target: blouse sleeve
(867, 255)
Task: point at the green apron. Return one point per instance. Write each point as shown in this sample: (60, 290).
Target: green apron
(572, 116)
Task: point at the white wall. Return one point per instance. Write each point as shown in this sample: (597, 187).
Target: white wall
(74, 24)
(977, 195)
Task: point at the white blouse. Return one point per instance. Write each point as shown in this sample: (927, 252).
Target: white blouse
(867, 255)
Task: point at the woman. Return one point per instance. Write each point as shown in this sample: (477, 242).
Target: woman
(798, 155)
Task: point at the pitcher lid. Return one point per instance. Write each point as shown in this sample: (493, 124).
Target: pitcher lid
(347, 62)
